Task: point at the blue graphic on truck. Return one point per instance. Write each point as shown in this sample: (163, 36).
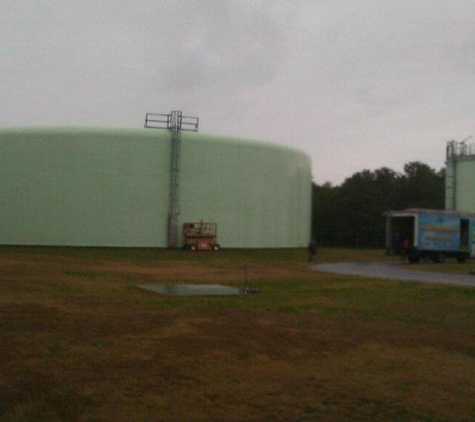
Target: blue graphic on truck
(439, 232)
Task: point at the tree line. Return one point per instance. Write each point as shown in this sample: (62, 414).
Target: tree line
(352, 214)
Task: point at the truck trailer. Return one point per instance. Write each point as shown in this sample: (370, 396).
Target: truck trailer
(430, 234)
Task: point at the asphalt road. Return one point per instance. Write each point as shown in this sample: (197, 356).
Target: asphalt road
(394, 271)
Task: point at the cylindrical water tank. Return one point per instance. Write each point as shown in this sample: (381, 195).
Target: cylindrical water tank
(111, 187)
(460, 177)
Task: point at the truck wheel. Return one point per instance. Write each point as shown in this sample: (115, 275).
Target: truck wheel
(413, 257)
(461, 257)
(216, 247)
(193, 248)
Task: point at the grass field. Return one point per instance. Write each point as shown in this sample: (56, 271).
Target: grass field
(80, 342)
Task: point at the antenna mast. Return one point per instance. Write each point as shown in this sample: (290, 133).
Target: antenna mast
(175, 122)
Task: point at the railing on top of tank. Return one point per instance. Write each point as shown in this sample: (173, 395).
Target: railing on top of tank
(173, 120)
(460, 149)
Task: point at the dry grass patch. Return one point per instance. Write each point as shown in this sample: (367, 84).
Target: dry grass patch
(79, 342)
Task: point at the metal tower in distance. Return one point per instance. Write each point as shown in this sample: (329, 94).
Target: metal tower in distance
(175, 122)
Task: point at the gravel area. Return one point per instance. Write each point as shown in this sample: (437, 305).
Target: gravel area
(395, 271)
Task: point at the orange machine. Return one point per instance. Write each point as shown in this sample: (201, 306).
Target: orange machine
(200, 236)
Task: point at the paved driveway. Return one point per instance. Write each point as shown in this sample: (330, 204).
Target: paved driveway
(395, 271)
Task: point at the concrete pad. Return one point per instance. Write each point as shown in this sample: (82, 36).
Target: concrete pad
(192, 289)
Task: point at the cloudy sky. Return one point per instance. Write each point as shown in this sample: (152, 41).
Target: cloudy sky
(357, 84)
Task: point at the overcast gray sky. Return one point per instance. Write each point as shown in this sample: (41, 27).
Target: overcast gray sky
(354, 83)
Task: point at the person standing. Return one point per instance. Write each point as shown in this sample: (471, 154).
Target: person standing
(312, 251)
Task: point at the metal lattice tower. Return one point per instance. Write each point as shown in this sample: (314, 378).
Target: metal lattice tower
(175, 122)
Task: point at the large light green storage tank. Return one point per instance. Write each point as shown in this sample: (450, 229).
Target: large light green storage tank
(460, 177)
(110, 187)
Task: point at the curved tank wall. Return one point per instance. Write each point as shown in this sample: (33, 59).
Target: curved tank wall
(460, 184)
(83, 187)
(110, 187)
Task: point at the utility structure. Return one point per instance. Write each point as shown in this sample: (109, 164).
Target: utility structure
(456, 153)
(175, 122)
(258, 193)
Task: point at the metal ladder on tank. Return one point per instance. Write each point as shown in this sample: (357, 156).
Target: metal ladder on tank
(450, 163)
(175, 122)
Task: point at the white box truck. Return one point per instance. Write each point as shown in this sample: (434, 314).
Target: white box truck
(430, 234)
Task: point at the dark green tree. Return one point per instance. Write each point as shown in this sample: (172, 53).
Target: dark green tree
(353, 214)
(424, 187)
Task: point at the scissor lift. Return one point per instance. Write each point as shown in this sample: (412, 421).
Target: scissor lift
(200, 236)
